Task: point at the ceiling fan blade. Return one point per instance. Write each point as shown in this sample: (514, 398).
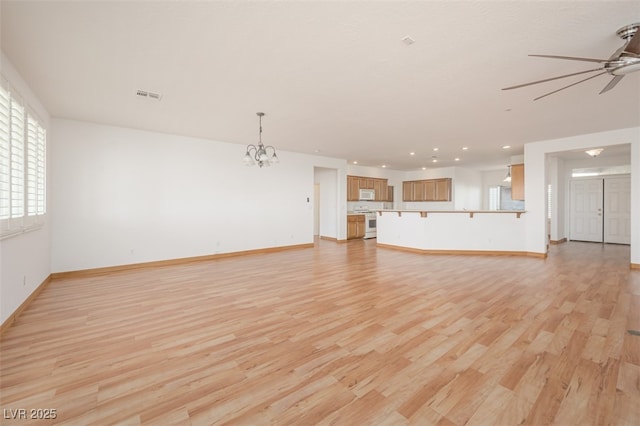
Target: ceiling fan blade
(571, 58)
(615, 80)
(571, 85)
(552, 78)
(634, 44)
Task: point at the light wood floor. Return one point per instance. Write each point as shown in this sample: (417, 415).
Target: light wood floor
(341, 334)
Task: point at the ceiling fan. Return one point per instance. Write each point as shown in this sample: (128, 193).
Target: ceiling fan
(624, 61)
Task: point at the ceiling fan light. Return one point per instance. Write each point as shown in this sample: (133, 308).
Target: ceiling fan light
(626, 69)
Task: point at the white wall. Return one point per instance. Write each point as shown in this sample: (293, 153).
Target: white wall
(467, 189)
(490, 179)
(535, 181)
(24, 259)
(124, 196)
(494, 232)
(635, 199)
(555, 180)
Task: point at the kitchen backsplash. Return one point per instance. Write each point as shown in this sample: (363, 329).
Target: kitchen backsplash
(368, 205)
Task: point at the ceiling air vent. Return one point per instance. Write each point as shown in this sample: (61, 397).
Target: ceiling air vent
(150, 95)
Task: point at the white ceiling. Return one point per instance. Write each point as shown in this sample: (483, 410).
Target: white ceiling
(333, 78)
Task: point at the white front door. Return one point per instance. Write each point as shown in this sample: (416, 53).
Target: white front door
(586, 210)
(617, 210)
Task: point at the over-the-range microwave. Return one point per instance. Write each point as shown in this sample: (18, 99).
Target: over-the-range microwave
(367, 195)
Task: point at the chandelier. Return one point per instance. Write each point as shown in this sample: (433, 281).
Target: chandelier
(259, 154)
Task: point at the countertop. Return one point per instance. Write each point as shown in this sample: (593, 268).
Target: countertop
(424, 213)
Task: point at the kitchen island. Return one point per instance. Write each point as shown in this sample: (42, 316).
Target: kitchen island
(500, 232)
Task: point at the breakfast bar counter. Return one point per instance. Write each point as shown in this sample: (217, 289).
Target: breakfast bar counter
(453, 231)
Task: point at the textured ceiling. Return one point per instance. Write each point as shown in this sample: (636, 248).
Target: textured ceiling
(333, 78)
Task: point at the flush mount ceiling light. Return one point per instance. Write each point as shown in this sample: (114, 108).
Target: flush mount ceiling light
(593, 153)
(408, 40)
(259, 154)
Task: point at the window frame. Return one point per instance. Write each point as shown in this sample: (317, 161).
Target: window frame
(23, 165)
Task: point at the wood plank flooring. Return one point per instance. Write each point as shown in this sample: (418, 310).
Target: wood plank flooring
(345, 334)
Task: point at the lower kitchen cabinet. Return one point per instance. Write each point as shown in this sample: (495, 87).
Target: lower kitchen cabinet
(355, 226)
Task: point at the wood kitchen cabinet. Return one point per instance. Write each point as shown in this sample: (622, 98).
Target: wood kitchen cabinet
(427, 190)
(355, 226)
(407, 191)
(517, 182)
(353, 188)
(367, 183)
(380, 187)
(443, 190)
(356, 183)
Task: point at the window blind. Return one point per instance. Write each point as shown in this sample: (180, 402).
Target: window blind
(22, 166)
(4, 154)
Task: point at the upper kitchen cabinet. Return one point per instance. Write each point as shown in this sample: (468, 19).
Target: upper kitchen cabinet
(356, 183)
(353, 188)
(427, 190)
(367, 183)
(443, 189)
(517, 182)
(380, 187)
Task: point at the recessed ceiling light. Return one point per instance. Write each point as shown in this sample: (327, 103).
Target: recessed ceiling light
(424, 168)
(435, 149)
(355, 162)
(506, 146)
(435, 160)
(384, 166)
(464, 148)
(456, 159)
(412, 153)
